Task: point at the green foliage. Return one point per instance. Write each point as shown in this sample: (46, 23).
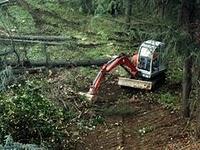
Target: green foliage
(103, 27)
(29, 115)
(11, 145)
(90, 124)
(16, 19)
(79, 79)
(114, 7)
(168, 100)
(98, 120)
(175, 72)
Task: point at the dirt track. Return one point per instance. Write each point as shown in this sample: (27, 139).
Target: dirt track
(151, 126)
(161, 127)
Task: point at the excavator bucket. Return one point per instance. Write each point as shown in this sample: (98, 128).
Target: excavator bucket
(89, 96)
(138, 84)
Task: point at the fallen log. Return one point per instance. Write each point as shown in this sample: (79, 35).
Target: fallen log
(65, 64)
(52, 43)
(47, 40)
(8, 41)
(38, 38)
(68, 64)
(29, 70)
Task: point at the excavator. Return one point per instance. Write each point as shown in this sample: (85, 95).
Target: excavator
(146, 68)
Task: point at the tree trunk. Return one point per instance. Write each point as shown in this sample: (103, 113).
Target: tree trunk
(128, 13)
(198, 104)
(187, 85)
(187, 12)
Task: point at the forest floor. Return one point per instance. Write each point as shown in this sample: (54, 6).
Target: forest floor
(149, 125)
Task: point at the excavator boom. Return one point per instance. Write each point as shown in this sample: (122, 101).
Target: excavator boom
(122, 60)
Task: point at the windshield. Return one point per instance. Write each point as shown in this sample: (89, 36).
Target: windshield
(145, 52)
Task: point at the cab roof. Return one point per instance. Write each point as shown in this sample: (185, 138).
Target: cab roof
(152, 45)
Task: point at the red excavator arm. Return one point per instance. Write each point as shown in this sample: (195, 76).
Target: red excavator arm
(122, 60)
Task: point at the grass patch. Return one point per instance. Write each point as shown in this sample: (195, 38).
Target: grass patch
(168, 99)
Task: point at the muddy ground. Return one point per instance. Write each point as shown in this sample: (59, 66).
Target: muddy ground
(149, 126)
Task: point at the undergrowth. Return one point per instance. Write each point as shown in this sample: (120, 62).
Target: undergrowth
(30, 115)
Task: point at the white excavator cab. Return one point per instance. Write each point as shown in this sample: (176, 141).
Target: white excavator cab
(149, 59)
